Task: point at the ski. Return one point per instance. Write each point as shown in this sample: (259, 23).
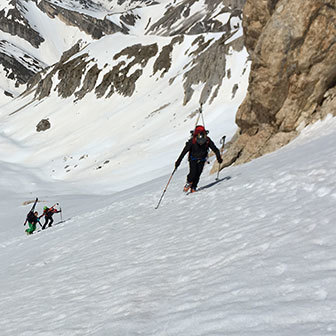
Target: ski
(48, 227)
(32, 209)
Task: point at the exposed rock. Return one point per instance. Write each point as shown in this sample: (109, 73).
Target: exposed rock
(234, 90)
(14, 23)
(71, 72)
(15, 70)
(43, 85)
(163, 62)
(72, 51)
(209, 67)
(70, 75)
(293, 73)
(44, 80)
(256, 16)
(89, 82)
(118, 79)
(90, 25)
(43, 125)
(194, 19)
(8, 94)
(18, 66)
(80, 75)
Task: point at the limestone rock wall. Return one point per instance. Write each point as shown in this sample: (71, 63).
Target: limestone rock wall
(293, 73)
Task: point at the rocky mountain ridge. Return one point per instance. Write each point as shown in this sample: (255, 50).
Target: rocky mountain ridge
(97, 20)
(78, 74)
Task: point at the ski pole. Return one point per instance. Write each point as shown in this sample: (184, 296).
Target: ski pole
(61, 214)
(217, 178)
(223, 144)
(164, 191)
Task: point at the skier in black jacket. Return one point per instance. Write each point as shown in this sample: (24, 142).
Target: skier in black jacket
(197, 147)
(32, 219)
(48, 213)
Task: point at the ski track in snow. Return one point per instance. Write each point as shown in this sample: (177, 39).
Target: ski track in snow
(253, 254)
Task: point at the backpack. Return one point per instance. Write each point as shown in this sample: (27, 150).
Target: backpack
(31, 217)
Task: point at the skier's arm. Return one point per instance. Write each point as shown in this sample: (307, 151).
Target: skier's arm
(215, 150)
(185, 150)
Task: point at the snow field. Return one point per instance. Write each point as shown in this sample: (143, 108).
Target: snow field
(252, 254)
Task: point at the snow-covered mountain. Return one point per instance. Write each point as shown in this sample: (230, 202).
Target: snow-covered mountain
(111, 100)
(43, 30)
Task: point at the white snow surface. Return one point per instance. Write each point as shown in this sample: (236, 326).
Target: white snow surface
(250, 254)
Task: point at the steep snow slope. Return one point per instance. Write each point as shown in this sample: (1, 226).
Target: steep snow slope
(250, 255)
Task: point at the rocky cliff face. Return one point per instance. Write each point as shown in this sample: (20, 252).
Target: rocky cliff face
(293, 73)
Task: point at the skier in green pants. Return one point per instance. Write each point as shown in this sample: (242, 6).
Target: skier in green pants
(32, 219)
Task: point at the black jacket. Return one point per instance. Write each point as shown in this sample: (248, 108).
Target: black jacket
(32, 218)
(198, 152)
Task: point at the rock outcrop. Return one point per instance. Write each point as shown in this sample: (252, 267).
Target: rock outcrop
(12, 21)
(89, 24)
(293, 74)
(43, 125)
(19, 67)
(183, 18)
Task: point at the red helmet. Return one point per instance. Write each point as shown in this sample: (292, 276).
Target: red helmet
(199, 129)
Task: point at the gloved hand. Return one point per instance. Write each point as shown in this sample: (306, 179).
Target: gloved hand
(220, 160)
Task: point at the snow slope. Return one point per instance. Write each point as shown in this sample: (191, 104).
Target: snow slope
(253, 254)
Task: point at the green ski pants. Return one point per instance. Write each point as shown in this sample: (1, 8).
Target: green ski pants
(32, 228)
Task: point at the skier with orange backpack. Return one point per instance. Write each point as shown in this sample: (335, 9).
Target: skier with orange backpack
(48, 213)
(197, 146)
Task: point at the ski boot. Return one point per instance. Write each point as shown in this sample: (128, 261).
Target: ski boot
(187, 187)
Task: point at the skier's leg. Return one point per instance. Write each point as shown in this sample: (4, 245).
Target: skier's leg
(192, 171)
(32, 228)
(46, 220)
(191, 175)
(198, 172)
(51, 221)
